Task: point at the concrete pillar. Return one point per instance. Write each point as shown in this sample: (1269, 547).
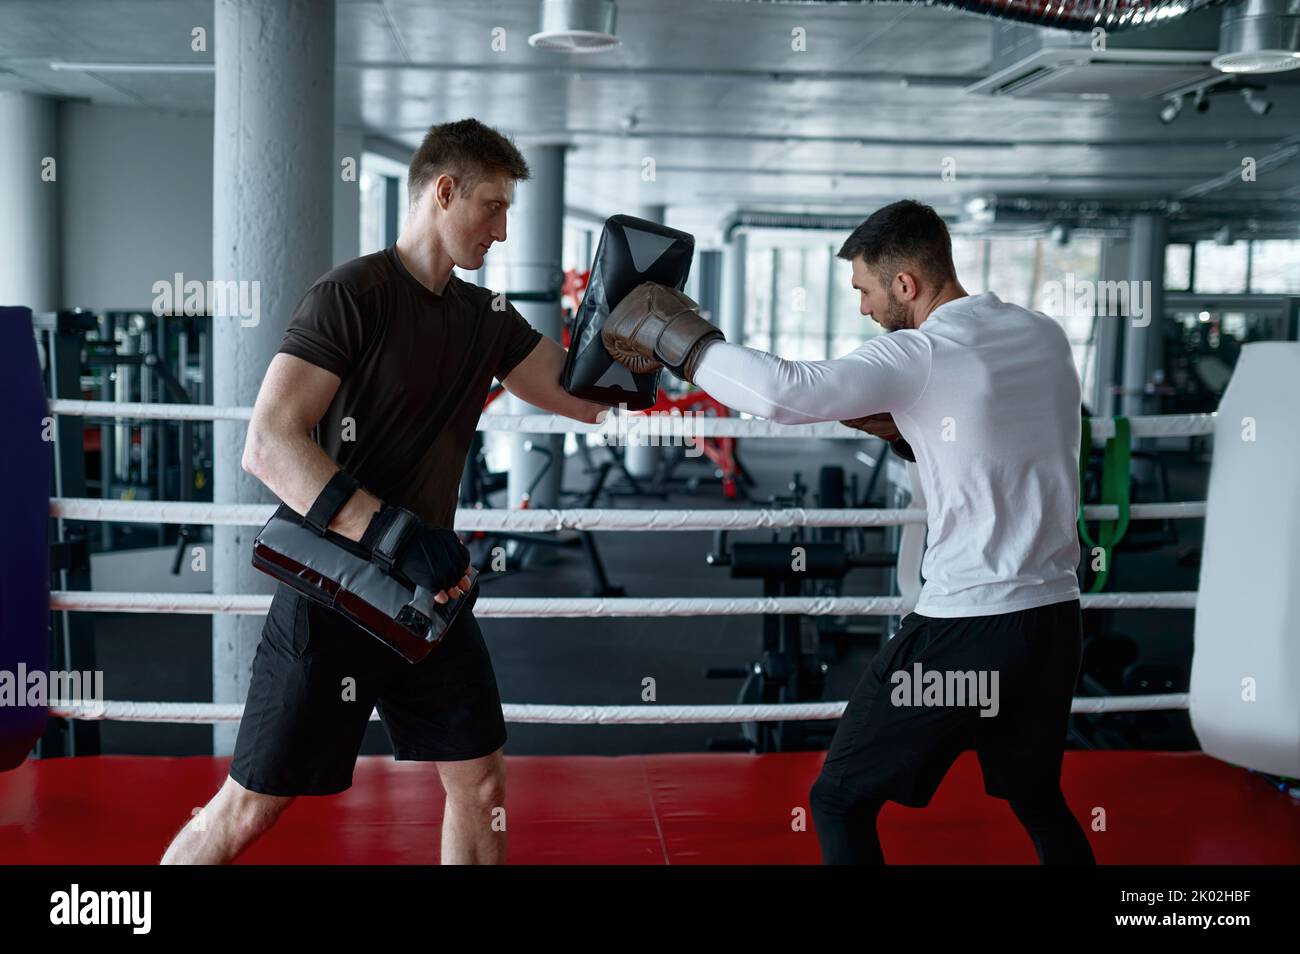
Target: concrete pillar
(536, 243)
(29, 203)
(707, 275)
(733, 288)
(348, 145)
(272, 191)
(1106, 346)
(1143, 340)
(642, 459)
(657, 213)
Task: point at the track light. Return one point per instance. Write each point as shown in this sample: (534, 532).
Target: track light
(1170, 110)
(1201, 101)
(1258, 104)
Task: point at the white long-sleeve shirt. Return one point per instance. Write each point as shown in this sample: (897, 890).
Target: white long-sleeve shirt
(986, 394)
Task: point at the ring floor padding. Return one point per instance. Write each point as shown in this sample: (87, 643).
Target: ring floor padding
(1160, 808)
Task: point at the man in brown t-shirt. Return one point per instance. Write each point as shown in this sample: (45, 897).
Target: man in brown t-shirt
(388, 358)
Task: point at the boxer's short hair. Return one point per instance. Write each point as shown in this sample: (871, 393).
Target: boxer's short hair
(903, 236)
(466, 150)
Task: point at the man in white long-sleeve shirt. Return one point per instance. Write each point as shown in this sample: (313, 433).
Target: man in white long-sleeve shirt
(983, 395)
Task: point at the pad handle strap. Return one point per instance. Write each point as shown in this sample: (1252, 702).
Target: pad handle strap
(390, 542)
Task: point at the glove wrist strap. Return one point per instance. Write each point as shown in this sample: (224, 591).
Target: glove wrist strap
(337, 492)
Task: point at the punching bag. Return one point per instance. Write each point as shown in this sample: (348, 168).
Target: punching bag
(24, 542)
(1245, 686)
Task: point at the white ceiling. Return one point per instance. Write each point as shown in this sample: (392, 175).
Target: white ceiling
(712, 90)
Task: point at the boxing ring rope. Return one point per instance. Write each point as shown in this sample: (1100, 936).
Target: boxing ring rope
(588, 519)
(556, 607)
(537, 521)
(175, 712)
(1157, 425)
(212, 712)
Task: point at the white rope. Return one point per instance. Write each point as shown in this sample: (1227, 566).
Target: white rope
(677, 424)
(143, 411)
(538, 521)
(178, 712)
(1173, 510)
(1091, 705)
(502, 607)
(536, 607)
(1185, 599)
(1163, 425)
(586, 607)
(209, 712)
(666, 425)
(473, 519)
(703, 519)
(1157, 425)
(157, 511)
(187, 603)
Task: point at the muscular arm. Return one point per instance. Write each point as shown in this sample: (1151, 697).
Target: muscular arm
(881, 376)
(536, 380)
(279, 450)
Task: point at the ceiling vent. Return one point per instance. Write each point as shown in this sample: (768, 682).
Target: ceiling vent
(1036, 62)
(576, 26)
(1260, 36)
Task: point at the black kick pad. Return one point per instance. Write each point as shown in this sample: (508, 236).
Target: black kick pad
(631, 251)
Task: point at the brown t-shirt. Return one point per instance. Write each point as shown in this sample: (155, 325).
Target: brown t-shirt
(416, 368)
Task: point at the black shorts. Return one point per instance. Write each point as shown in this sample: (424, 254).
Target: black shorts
(892, 744)
(316, 679)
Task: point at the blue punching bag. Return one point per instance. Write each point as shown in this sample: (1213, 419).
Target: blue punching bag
(24, 542)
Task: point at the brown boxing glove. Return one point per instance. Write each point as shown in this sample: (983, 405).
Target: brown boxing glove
(882, 426)
(903, 449)
(657, 326)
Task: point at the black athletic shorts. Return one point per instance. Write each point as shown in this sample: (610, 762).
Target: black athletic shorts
(893, 744)
(316, 678)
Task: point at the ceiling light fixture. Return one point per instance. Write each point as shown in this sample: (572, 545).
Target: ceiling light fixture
(1259, 36)
(576, 26)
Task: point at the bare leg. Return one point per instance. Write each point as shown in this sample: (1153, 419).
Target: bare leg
(222, 829)
(474, 825)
